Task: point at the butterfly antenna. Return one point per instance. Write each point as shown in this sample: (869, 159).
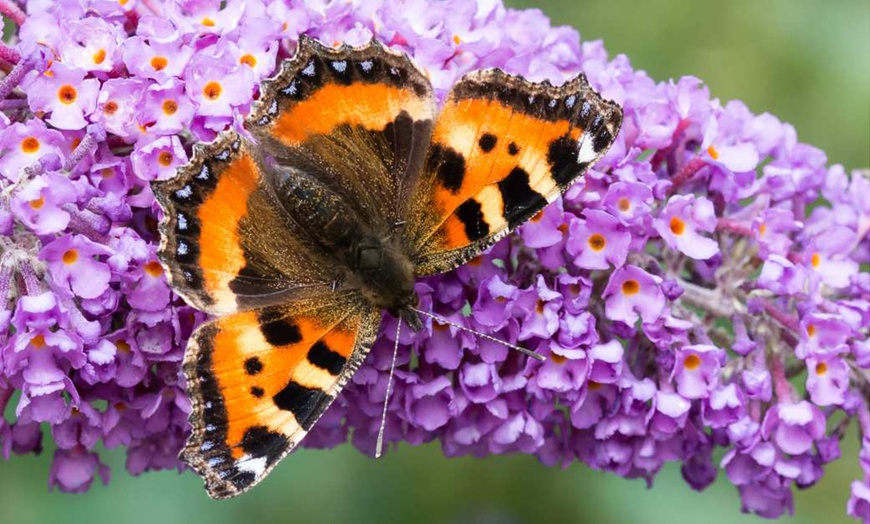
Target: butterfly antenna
(443, 320)
(379, 447)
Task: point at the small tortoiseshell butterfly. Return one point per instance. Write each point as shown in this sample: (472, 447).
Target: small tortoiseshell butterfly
(356, 186)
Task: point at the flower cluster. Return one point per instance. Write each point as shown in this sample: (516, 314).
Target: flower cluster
(701, 288)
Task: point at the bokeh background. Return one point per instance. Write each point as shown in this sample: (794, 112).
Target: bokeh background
(807, 62)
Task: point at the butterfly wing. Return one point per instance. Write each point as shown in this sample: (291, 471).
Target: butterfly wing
(260, 379)
(225, 241)
(502, 148)
(359, 119)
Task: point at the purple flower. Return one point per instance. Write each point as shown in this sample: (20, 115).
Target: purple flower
(73, 470)
(597, 242)
(827, 380)
(794, 427)
(65, 94)
(71, 260)
(633, 293)
(680, 221)
(697, 369)
(41, 204)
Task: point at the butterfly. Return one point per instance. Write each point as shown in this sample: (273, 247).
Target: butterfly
(352, 186)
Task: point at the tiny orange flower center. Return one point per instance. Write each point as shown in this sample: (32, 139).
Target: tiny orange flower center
(439, 327)
(67, 94)
(624, 204)
(558, 359)
(713, 153)
(474, 262)
(123, 2)
(811, 330)
(75, 143)
(100, 56)
(122, 345)
(165, 158)
(594, 386)
(110, 107)
(158, 63)
(70, 256)
(169, 107)
(537, 216)
(37, 203)
(563, 228)
(762, 229)
(692, 362)
(154, 268)
(539, 307)
(574, 289)
(677, 226)
(208, 22)
(212, 90)
(457, 40)
(630, 287)
(107, 172)
(38, 341)
(816, 260)
(248, 59)
(30, 145)
(821, 368)
(597, 242)
(120, 406)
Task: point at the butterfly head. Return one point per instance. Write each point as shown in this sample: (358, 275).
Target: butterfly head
(386, 277)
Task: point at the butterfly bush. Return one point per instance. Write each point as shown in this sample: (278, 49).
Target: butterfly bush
(704, 287)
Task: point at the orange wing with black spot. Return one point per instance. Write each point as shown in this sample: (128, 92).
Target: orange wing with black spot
(502, 148)
(225, 242)
(359, 119)
(260, 379)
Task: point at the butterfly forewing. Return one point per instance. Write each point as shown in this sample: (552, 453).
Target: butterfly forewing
(357, 118)
(502, 148)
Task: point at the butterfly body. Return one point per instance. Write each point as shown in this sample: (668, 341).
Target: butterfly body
(356, 185)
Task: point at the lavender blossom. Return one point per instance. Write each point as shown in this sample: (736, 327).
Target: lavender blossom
(680, 292)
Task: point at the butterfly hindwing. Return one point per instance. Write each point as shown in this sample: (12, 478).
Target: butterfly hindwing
(259, 380)
(225, 241)
(357, 118)
(502, 148)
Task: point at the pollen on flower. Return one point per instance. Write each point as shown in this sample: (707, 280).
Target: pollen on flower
(208, 22)
(624, 204)
(159, 63)
(107, 172)
(37, 203)
(70, 256)
(597, 242)
(677, 226)
(100, 56)
(30, 144)
(713, 153)
(537, 216)
(593, 386)
(248, 60)
(816, 260)
(110, 107)
(212, 90)
(811, 330)
(154, 268)
(539, 307)
(558, 359)
(762, 229)
(821, 369)
(169, 107)
(563, 228)
(122, 345)
(457, 40)
(630, 287)
(692, 362)
(67, 94)
(38, 341)
(165, 158)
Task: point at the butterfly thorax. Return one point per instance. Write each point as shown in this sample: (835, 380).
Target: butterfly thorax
(371, 258)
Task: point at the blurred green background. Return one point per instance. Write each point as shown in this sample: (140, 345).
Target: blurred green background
(807, 62)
